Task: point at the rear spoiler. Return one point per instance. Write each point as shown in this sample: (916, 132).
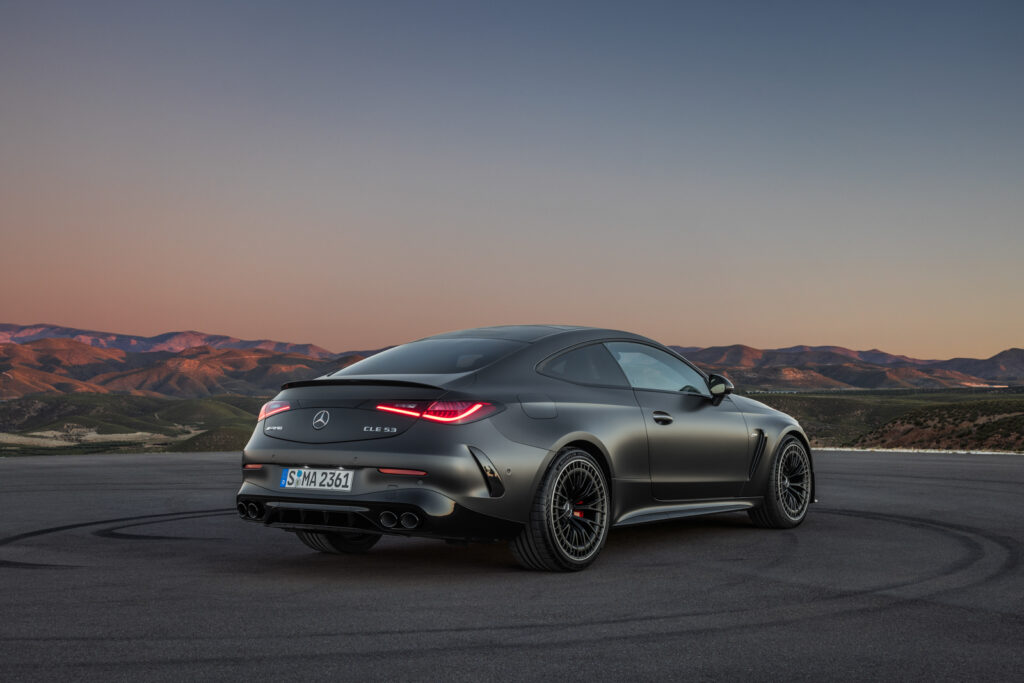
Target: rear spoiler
(335, 381)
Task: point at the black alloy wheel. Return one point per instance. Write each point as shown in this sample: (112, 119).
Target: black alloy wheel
(569, 521)
(789, 488)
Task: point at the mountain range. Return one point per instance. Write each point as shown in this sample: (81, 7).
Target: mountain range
(169, 341)
(835, 367)
(52, 359)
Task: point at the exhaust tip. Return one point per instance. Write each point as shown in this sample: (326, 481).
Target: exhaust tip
(254, 510)
(388, 519)
(410, 520)
(242, 510)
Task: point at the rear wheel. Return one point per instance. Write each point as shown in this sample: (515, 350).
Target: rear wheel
(568, 523)
(338, 543)
(789, 488)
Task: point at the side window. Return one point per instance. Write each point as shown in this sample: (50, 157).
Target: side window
(651, 368)
(587, 365)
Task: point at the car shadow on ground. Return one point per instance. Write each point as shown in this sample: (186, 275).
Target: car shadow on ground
(395, 556)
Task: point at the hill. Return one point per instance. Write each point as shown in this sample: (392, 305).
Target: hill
(835, 367)
(959, 419)
(103, 423)
(974, 425)
(61, 366)
(1006, 366)
(168, 341)
(192, 364)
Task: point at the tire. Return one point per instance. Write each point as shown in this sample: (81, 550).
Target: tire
(789, 488)
(568, 522)
(338, 543)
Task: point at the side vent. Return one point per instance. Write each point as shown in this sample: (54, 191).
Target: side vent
(494, 485)
(762, 440)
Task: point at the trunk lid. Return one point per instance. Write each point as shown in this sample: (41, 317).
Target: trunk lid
(333, 411)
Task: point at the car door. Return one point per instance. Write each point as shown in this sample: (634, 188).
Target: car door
(697, 450)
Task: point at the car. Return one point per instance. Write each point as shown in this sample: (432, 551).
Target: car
(544, 436)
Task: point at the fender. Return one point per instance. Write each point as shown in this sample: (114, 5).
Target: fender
(757, 484)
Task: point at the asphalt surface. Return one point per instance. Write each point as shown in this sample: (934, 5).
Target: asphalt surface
(137, 567)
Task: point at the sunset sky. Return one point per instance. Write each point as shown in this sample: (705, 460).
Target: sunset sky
(361, 174)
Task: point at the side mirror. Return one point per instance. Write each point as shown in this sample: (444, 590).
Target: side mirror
(719, 387)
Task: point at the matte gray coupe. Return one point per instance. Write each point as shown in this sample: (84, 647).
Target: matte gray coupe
(545, 436)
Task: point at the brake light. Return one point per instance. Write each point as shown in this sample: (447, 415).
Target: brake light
(273, 408)
(457, 411)
(398, 470)
(410, 408)
(448, 412)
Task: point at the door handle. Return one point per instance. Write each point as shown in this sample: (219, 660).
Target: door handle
(661, 417)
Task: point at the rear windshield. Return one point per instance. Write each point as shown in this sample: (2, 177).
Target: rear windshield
(434, 357)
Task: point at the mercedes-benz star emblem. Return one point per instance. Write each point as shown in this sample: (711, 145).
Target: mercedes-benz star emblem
(321, 419)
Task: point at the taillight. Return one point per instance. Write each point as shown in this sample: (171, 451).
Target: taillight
(273, 408)
(457, 411)
(448, 412)
(410, 408)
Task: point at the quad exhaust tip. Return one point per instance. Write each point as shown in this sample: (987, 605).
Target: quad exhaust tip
(250, 510)
(408, 520)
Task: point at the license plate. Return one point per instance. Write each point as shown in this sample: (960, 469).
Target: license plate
(330, 480)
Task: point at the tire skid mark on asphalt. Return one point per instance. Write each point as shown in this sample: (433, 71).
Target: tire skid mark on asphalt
(833, 603)
(964, 535)
(726, 565)
(165, 516)
(113, 489)
(543, 633)
(13, 564)
(115, 532)
(975, 551)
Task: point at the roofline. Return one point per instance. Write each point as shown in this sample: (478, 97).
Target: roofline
(493, 332)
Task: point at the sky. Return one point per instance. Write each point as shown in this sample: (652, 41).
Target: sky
(359, 174)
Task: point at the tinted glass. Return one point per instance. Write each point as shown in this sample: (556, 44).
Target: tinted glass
(588, 365)
(434, 357)
(651, 368)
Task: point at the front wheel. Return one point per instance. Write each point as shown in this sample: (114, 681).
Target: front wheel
(568, 523)
(789, 488)
(338, 543)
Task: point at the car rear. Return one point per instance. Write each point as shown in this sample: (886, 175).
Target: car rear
(409, 453)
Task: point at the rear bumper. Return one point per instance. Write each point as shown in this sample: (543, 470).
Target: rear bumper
(469, 468)
(413, 512)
